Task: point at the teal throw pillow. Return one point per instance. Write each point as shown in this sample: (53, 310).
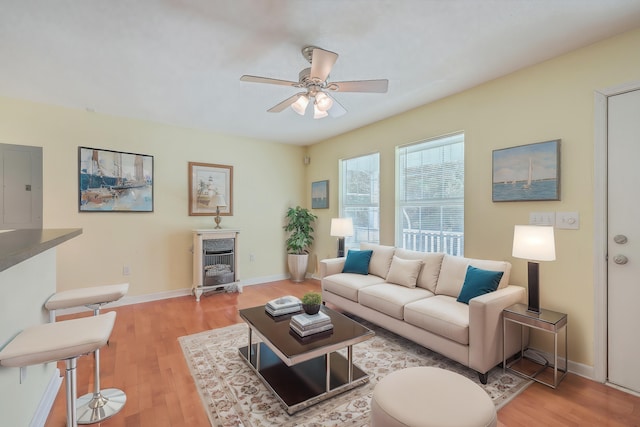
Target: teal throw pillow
(478, 282)
(357, 262)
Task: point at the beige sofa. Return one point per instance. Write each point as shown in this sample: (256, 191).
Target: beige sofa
(413, 294)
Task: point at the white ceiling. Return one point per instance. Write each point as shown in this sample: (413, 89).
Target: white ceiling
(179, 62)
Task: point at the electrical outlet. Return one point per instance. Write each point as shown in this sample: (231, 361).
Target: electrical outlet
(126, 270)
(252, 257)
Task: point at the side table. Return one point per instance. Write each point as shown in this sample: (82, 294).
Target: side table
(547, 321)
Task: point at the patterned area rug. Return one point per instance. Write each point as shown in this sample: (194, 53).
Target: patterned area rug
(234, 396)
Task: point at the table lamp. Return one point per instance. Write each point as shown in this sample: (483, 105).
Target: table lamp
(341, 228)
(534, 243)
(219, 202)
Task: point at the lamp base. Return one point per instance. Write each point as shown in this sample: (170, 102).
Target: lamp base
(534, 287)
(217, 218)
(340, 247)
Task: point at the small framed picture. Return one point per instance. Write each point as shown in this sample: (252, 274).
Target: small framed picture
(527, 172)
(210, 187)
(320, 195)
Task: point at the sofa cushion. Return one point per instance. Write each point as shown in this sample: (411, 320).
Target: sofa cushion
(381, 258)
(478, 282)
(357, 262)
(442, 315)
(454, 270)
(347, 285)
(431, 262)
(390, 299)
(404, 271)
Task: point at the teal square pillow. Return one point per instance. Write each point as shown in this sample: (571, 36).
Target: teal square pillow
(357, 262)
(478, 282)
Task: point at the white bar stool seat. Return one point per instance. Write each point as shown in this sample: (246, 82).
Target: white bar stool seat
(101, 404)
(66, 340)
(88, 297)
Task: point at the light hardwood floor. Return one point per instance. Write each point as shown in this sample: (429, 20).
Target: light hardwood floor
(145, 360)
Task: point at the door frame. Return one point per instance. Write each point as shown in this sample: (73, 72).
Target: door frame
(600, 226)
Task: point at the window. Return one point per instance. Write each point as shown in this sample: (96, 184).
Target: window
(430, 195)
(360, 198)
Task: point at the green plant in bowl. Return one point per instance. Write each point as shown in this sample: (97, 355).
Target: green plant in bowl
(311, 302)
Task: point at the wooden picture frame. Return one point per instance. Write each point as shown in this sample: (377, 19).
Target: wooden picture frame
(114, 181)
(320, 195)
(205, 181)
(527, 172)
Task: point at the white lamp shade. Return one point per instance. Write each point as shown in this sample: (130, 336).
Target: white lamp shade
(218, 200)
(534, 242)
(318, 114)
(300, 106)
(341, 227)
(323, 101)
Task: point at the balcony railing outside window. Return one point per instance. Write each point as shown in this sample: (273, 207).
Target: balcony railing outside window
(449, 242)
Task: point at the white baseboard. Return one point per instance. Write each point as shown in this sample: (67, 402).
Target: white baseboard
(573, 367)
(46, 402)
(263, 280)
(138, 299)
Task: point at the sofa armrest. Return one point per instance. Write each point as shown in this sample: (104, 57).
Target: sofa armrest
(331, 266)
(486, 330)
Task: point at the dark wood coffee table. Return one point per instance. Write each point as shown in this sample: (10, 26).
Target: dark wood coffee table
(303, 371)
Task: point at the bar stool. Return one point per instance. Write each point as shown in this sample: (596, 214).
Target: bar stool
(101, 404)
(52, 342)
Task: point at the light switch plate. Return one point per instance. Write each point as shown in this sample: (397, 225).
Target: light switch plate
(542, 218)
(568, 220)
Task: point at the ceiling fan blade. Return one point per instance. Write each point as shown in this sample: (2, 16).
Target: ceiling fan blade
(336, 110)
(377, 86)
(286, 103)
(321, 63)
(257, 79)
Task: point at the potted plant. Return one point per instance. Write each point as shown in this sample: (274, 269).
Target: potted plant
(311, 302)
(299, 221)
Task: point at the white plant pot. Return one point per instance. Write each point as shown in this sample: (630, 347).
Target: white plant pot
(298, 266)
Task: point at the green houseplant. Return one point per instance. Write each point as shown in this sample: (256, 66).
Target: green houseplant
(299, 226)
(311, 302)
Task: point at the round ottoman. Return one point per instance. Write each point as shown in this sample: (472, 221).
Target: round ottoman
(425, 396)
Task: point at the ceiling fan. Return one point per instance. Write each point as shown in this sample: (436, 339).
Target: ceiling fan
(315, 84)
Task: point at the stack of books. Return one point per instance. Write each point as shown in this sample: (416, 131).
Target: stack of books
(308, 324)
(283, 305)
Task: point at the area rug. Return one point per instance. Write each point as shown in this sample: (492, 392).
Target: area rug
(234, 396)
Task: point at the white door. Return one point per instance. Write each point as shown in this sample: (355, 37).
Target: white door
(623, 234)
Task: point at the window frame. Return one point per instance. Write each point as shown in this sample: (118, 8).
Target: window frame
(449, 241)
(373, 229)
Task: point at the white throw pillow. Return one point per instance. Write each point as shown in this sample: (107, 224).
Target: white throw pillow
(404, 271)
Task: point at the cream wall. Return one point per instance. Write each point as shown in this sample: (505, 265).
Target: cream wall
(156, 246)
(548, 101)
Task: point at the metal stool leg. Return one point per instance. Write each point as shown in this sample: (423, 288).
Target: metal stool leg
(101, 404)
(71, 389)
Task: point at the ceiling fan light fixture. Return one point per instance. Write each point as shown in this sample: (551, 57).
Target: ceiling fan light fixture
(300, 106)
(317, 113)
(323, 101)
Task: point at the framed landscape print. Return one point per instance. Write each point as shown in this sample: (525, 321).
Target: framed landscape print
(114, 181)
(206, 183)
(320, 195)
(527, 172)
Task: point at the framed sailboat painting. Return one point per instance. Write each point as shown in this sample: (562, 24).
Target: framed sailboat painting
(114, 181)
(527, 172)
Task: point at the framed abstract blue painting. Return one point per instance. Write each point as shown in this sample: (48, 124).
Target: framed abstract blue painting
(114, 181)
(320, 195)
